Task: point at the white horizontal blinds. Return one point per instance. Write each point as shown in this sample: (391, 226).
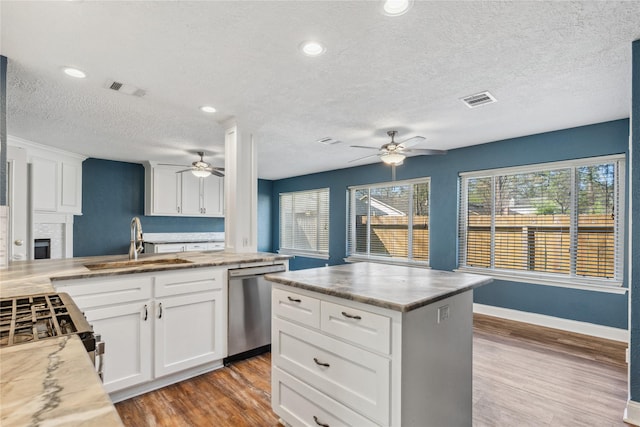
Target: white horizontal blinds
(597, 219)
(389, 221)
(381, 216)
(304, 221)
(532, 221)
(358, 222)
(478, 209)
(559, 219)
(420, 222)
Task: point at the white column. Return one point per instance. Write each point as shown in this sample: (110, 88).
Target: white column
(240, 190)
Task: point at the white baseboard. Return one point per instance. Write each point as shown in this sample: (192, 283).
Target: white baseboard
(607, 332)
(632, 413)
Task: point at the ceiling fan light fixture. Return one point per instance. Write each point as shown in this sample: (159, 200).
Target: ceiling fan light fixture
(74, 72)
(393, 158)
(200, 173)
(396, 7)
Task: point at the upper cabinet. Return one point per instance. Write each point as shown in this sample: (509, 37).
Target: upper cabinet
(170, 193)
(56, 178)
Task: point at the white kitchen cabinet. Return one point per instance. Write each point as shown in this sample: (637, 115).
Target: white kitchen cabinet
(127, 331)
(56, 184)
(178, 348)
(159, 248)
(169, 193)
(344, 363)
(158, 328)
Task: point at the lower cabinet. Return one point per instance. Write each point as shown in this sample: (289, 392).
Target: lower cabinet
(337, 362)
(154, 325)
(178, 347)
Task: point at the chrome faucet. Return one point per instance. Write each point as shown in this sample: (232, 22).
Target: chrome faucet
(136, 238)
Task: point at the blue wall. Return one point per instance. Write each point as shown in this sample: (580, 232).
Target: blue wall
(634, 365)
(112, 194)
(587, 141)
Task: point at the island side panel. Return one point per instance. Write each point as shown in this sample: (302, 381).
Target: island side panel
(437, 380)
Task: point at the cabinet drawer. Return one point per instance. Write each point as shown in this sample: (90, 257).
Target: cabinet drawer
(107, 291)
(299, 308)
(362, 327)
(355, 377)
(301, 405)
(189, 280)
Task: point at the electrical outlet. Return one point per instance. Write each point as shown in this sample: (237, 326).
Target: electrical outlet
(443, 313)
(626, 354)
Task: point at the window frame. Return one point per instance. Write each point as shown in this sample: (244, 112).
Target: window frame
(351, 229)
(320, 254)
(570, 280)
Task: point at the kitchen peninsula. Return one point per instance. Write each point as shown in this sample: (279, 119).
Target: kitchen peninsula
(373, 344)
(52, 381)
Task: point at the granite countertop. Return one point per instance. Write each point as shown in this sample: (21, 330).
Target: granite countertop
(52, 382)
(33, 277)
(394, 287)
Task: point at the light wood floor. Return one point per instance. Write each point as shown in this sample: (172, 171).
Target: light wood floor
(524, 375)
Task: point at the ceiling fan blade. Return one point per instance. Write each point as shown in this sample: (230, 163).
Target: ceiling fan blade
(425, 151)
(411, 142)
(362, 158)
(217, 168)
(186, 170)
(363, 146)
(216, 173)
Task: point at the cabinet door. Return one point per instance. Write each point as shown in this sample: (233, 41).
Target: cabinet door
(70, 188)
(188, 331)
(44, 184)
(166, 191)
(213, 196)
(126, 332)
(190, 194)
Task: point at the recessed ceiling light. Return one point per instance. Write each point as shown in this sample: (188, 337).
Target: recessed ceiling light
(74, 72)
(208, 109)
(396, 7)
(310, 48)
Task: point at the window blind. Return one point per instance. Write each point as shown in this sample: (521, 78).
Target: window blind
(389, 220)
(304, 221)
(558, 219)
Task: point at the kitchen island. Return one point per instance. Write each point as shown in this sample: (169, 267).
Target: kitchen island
(52, 381)
(373, 344)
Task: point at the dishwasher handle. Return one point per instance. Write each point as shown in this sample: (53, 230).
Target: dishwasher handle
(236, 273)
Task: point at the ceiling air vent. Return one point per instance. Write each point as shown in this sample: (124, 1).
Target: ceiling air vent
(328, 141)
(478, 99)
(125, 88)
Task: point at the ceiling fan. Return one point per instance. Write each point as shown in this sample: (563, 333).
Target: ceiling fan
(202, 169)
(394, 153)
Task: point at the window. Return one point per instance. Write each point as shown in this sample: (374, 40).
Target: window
(555, 222)
(389, 221)
(304, 223)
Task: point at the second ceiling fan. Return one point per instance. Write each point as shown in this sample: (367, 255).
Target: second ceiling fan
(394, 153)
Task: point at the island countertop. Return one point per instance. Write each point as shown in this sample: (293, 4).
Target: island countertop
(395, 287)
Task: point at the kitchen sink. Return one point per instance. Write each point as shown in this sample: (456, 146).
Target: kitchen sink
(135, 263)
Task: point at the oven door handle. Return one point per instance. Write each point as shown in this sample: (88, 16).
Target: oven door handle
(99, 354)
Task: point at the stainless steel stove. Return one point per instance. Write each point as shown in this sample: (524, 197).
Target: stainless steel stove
(39, 317)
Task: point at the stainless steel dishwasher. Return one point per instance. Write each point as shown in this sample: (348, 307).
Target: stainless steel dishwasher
(249, 311)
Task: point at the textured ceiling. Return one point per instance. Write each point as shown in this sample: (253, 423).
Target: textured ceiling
(551, 65)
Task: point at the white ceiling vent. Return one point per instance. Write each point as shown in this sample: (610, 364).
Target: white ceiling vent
(125, 88)
(328, 141)
(478, 99)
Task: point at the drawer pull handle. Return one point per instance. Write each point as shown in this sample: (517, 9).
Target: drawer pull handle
(351, 316)
(294, 299)
(315, 359)
(319, 423)
(160, 309)
(146, 312)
